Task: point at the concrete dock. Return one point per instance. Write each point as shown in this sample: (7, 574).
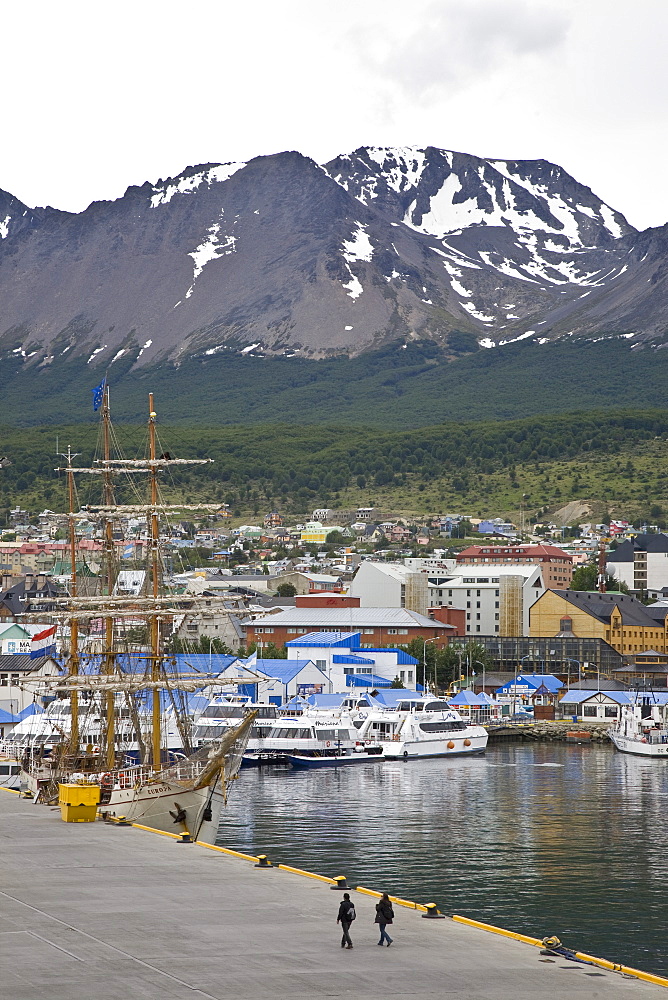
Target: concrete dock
(90, 911)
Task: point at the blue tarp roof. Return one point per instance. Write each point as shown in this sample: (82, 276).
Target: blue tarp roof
(351, 640)
(179, 663)
(390, 697)
(298, 703)
(32, 709)
(283, 670)
(326, 700)
(467, 698)
(367, 680)
(533, 681)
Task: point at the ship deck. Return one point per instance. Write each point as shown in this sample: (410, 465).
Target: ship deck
(94, 910)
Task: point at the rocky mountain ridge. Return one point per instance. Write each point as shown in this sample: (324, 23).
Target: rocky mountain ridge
(286, 257)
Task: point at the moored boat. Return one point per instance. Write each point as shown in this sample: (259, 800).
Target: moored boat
(639, 731)
(423, 727)
(366, 755)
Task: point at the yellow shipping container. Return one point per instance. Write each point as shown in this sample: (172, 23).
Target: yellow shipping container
(78, 803)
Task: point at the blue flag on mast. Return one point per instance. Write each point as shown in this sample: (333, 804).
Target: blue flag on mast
(98, 393)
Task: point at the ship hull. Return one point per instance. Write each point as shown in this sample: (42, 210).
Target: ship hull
(637, 748)
(343, 760)
(418, 749)
(160, 805)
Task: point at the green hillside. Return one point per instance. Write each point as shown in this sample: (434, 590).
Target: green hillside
(611, 460)
(415, 386)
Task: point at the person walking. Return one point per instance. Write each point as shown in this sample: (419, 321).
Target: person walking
(345, 918)
(384, 916)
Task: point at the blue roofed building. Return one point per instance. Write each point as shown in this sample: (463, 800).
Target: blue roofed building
(595, 706)
(535, 689)
(278, 681)
(348, 664)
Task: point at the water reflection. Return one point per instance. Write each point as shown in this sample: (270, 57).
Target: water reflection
(544, 839)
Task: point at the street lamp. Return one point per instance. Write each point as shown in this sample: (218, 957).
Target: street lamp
(480, 664)
(571, 659)
(424, 662)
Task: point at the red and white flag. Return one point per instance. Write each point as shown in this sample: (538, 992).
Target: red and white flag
(44, 643)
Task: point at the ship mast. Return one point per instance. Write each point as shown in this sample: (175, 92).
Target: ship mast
(109, 660)
(154, 536)
(73, 665)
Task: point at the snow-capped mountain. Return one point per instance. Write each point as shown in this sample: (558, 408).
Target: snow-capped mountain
(281, 255)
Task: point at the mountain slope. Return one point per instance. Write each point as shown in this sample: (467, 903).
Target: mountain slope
(283, 257)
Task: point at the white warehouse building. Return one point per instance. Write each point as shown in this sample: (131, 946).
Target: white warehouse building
(496, 599)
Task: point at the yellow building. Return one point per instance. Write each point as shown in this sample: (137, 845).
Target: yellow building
(620, 620)
(315, 533)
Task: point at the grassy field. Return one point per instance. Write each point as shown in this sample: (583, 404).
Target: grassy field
(613, 463)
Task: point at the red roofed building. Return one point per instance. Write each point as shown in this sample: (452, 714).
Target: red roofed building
(556, 565)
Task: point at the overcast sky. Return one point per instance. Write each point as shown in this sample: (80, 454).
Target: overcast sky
(98, 96)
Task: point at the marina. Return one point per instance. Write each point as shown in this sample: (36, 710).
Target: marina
(111, 911)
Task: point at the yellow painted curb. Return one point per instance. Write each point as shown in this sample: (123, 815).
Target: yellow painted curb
(602, 963)
(300, 871)
(151, 829)
(14, 791)
(227, 850)
(394, 899)
(497, 930)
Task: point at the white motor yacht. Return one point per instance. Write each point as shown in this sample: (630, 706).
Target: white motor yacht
(317, 734)
(423, 727)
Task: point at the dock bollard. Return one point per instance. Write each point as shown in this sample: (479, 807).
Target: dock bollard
(432, 912)
(263, 861)
(185, 838)
(341, 883)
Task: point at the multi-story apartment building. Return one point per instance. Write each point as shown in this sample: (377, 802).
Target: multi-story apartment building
(642, 564)
(495, 598)
(556, 565)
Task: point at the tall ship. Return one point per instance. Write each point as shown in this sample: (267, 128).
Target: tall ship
(121, 721)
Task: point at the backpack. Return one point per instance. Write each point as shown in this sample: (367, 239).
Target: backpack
(351, 914)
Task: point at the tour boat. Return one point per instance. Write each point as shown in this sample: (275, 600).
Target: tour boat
(423, 727)
(317, 735)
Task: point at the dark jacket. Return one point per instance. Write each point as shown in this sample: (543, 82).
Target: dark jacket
(345, 907)
(384, 912)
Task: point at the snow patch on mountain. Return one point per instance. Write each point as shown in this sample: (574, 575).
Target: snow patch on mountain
(213, 247)
(189, 184)
(402, 165)
(4, 227)
(353, 287)
(359, 247)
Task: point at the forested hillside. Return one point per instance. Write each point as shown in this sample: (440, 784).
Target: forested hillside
(614, 459)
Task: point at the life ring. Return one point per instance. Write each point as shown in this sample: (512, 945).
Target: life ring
(467, 743)
(396, 737)
(451, 745)
(328, 743)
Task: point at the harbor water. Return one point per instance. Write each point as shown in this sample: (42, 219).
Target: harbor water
(538, 838)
